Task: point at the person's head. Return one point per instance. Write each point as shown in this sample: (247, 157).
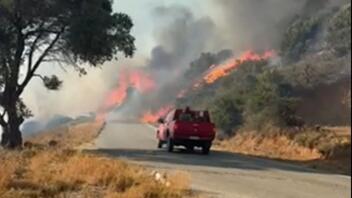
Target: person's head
(187, 109)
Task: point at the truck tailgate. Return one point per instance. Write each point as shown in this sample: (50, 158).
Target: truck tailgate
(194, 130)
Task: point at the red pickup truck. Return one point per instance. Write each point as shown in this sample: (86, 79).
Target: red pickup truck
(186, 128)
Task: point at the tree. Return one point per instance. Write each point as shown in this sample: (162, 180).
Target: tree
(70, 32)
(299, 36)
(226, 111)
(339, 31)
(270, 102)
(233, 94)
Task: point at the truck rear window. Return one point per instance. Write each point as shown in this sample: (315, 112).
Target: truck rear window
(192, 116)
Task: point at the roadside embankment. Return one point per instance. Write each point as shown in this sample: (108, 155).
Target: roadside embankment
(324, 148)
(50, 166)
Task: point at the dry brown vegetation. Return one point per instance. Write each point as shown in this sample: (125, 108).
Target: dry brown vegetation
(326, 148)
(44, 169)
(69, 136)
(68, 173)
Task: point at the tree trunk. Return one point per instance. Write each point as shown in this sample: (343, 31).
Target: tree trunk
(11, 136)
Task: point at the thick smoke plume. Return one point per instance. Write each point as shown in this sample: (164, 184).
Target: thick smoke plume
(182, 37)
(258, 25)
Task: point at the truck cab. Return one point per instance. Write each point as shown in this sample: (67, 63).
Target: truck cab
(188, 128)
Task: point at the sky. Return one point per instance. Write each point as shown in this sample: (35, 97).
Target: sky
(144, 22)
(94, 86)
(211, 25)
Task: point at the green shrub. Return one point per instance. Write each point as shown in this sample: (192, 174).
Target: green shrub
(270, 102)
(226, 112)
(339, 31)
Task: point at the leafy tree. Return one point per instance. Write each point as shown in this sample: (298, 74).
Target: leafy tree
(339, 31)
(270, 102)
(298, 37)
(232, 95)
(226, 111)
(71, 32)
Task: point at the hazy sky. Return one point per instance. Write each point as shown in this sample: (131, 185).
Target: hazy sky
(144, 22)
(211, 25)
(98, 81)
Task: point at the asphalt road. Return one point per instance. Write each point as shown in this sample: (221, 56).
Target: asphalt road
(222, 174)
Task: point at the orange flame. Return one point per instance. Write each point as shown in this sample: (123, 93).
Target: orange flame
(219, 71)
(142, 82)
(152, 117)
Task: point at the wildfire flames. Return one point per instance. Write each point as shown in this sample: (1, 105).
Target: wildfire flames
(136, 79)
(218, 71)
(152, 117)
(215, 72)
(143, 83)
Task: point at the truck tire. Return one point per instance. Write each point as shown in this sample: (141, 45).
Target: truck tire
(206, 148)
(160, 144)
(170, 145)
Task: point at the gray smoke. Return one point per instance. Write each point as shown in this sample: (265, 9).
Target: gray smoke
(181, 37)
(258, 25)
(232, 24)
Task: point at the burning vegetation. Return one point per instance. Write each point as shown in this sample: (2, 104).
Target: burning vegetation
(152, 117)
(142, 82)
(252, 87)
(219, 71)
(128, 81)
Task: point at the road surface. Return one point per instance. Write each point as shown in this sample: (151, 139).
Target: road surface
(222, 174)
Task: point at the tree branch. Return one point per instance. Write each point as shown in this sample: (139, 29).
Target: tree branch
(37, 64)
(6, 69)
(39, 76)
(32, 49)
(2, 120)
(41, 31)
(3, 113)
(1, 98)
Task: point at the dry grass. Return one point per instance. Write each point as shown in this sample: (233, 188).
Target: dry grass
(7, 170)
(328, 148)
(69, 136)
(44, 170)
(327, 140)
(68, 173)
(275, 146)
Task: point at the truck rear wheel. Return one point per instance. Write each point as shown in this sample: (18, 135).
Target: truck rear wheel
(170, 145)
(160, 144)
(206, 148)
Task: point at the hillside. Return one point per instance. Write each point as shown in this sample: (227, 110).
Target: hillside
(288, 101)
(309, 77)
